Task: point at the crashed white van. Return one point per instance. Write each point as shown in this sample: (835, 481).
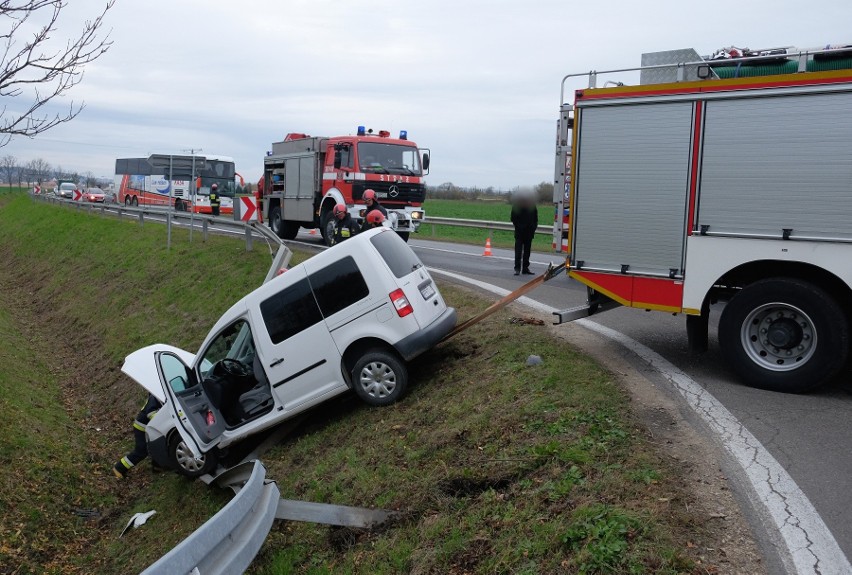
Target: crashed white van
(347, 318)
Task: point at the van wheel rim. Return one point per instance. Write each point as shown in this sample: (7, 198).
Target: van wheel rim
(377, 379)
(779, 337)
(186, 458)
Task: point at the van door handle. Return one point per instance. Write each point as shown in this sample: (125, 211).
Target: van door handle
(276, 362)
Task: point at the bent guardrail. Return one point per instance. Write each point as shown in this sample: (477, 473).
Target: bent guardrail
(228, 541)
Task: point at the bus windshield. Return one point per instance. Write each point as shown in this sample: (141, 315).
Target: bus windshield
(383, 158)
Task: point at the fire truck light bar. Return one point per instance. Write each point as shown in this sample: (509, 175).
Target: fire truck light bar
(403, 134)
(362, 131)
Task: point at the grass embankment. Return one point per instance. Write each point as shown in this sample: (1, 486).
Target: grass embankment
(490, 210)
(495, 467)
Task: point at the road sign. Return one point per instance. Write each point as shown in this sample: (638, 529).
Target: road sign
(248, 209)
(181, 166)
(77, 195)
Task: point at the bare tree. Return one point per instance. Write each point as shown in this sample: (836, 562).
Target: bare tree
(90, 179)
(8, 165)
(32, 70)
(38, 169)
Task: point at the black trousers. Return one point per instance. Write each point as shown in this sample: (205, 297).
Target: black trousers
(523, 245)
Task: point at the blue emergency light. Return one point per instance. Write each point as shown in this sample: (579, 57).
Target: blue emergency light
(362, 131)
(403, 134)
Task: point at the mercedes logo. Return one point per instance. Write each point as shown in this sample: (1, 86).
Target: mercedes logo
(393, 191)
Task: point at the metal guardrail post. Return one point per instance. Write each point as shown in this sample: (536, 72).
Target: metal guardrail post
(249, 244)
(204, 229)
(141, 218)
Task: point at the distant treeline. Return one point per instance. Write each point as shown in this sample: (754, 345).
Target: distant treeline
(449, 191)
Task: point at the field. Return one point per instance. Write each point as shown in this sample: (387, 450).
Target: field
(490, 210)
(495, 467)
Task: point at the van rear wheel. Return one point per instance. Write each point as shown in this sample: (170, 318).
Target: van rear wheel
(379, 377)
(183, 458)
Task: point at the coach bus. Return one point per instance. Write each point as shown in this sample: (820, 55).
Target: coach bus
(137, 182)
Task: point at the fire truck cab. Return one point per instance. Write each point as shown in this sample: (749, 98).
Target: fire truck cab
(719, 179)
(304, 177)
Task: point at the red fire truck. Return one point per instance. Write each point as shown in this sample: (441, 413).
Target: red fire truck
(723, 180)
(304, 177)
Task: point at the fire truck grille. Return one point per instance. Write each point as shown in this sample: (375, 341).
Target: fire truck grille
(391, 192)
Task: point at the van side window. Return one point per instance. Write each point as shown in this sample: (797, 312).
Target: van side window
(290, 311)
(338, 286)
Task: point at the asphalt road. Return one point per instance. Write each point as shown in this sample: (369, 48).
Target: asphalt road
(806, 434)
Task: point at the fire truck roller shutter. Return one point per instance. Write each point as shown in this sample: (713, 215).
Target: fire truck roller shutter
(631, 186)
(778, 162)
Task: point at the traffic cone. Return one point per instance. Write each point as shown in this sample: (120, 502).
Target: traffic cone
(487, 251)
(313, 231)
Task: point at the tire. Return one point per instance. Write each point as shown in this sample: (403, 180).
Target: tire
(275, 223)
(135, 201)
(379, 378)
(182, 459)
(325, 220)
(289, 230)
(179, 206)
(127, 200)
(404, 235)
(784, 335)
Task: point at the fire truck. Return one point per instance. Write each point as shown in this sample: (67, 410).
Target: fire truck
(304, 177)
(724, 179)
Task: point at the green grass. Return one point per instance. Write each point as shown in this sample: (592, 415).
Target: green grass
(488, 210)
(495, 467)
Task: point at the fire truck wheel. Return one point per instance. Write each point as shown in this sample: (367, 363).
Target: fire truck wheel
(275, 221)
(289, 230)
(326, 228)
(404, 235)
(184, 460)
(135, 201)
(784, 335)
(379, 377)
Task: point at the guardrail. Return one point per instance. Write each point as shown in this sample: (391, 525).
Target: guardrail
(228, 541)
(228, 223)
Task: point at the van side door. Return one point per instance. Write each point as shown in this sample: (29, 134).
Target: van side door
(300, 358)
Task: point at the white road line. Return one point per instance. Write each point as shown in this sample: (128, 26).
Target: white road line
(811, 547)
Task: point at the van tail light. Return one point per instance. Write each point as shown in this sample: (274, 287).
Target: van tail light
(400, 302)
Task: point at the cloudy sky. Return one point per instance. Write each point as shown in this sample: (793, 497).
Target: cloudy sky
(476, 81)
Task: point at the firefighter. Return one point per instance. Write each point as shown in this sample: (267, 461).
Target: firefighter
(374, 219)
(372, 205)
(215, 202)
(525, 220)
(140, 449)
(344, 226)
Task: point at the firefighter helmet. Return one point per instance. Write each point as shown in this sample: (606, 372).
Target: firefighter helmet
(214, 187)
(370, 195)
(375, 218)
(339, 209)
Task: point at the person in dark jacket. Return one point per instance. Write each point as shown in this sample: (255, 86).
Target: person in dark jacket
(344, 226)
(215, 201)
(372, 204)
(525, 220)
(140, 449)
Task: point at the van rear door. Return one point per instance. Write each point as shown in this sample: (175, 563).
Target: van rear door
(411, 276)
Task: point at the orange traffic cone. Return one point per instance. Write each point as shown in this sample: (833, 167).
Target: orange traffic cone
(487, 251)
(313, 231)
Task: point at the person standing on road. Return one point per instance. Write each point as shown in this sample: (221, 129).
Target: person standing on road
(215, 202)
(372, 205)
(344, 226)
(525, 220)
(140, 449)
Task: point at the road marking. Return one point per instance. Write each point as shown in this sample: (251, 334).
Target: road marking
(810, 545)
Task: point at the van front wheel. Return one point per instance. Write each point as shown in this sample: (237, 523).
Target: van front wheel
(183, 459)
(379, 378)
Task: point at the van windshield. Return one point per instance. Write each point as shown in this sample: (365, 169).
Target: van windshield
(400, 258)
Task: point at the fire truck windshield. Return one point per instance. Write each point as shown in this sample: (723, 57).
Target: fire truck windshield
(383, 158)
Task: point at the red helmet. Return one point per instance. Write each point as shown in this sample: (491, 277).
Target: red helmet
(370, 195)
(375, 218)
(339, 209)
(214, 187)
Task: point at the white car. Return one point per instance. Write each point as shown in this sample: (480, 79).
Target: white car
(347, 318)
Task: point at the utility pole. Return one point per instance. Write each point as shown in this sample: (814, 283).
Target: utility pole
(192, 182)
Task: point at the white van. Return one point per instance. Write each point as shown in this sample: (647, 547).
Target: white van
(347, 318)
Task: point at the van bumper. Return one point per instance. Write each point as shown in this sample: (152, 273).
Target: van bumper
(426, 338)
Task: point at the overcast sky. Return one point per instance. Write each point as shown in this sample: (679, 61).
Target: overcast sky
(476, 81)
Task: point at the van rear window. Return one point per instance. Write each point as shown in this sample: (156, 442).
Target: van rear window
(400, 258)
